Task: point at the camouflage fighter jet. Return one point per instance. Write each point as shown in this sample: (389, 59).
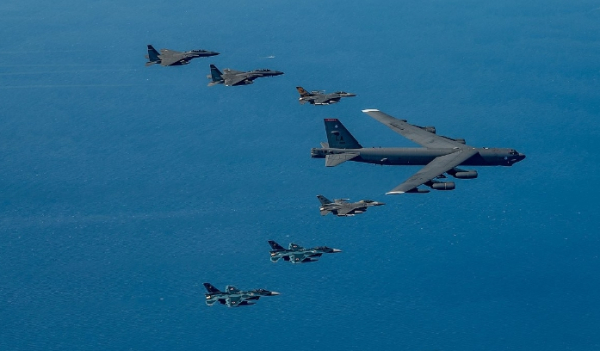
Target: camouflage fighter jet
(316, 97)
(297, 253)
(439, 154)
(233, 297)
(168, 57)
(343, 208)
(230, 77)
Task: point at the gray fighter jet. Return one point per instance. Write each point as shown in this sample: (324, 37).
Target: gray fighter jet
(230, 77)
(297, 253)
(233, 297)
(320, 98)
(343, 208)
(168, 57)
(439, 154)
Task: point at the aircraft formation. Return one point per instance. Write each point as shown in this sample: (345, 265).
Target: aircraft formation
(440, 156)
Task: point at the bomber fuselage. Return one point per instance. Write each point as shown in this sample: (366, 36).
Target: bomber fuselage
(421, 156)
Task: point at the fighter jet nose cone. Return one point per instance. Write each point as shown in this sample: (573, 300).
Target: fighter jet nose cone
(275, 293)
(336, 250)
(522, 156)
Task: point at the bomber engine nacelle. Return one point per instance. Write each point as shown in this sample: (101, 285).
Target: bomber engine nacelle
(462, 174)
(459, 140)
(430, 129)
(442, 185)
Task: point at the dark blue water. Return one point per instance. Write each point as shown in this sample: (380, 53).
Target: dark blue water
(123, 188)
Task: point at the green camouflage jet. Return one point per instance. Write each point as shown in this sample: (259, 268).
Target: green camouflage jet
(298, 254)
(439, 154)
(343, 208)
(233, 297)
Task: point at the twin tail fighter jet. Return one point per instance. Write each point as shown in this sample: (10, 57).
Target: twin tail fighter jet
(440, 155)
(168, 57)
(320, 98)
(233, 297)
(231, 77)
(343, 208)
(298, 254)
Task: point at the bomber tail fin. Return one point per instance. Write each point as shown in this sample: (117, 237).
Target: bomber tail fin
(338, 136)
(211, 289)
(215, 76)
(275, 246)
(152, 56)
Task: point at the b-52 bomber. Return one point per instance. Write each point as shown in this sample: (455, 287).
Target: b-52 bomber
(343, 208)
(230, 77)
(439, 154)
(233, 297)
(297, 253)
(316, 97)
(168, 57)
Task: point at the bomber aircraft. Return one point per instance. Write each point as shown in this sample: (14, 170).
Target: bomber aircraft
(233, 297)
(168, 57)
(230, 77)
(343, 208)
(297, 253)
(439, 154)
(316, 97)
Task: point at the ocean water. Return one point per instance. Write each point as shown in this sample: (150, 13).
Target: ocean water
(123, 187)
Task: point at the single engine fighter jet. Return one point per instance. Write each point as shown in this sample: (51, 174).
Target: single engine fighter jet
(439, 154)
(168, 57)
(297, 253)
(343, 208)
(230, 77)
(233, 297)
(320, 98)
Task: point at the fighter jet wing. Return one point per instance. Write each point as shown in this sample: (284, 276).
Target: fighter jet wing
(167, 60)
(322, 99)
(433, 169)
(233, 80)
(414, 133)
(297, 258)
(234, 301)
(345, 210)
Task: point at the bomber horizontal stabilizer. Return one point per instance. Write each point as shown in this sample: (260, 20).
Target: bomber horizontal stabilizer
(336, 159)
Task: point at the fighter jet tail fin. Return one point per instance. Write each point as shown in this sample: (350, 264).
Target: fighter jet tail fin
(152, 56)
(215, 75)
(338, 136)
(276, 246)
(211, 289)
(303, 92)
(324, 200)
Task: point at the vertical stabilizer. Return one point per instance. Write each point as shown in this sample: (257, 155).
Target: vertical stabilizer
(152, 56)
(216, 76)
(338, 136)
(275, 246)
(211, 289)
(324, 200)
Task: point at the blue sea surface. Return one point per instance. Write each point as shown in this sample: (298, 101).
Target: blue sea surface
(123, 187)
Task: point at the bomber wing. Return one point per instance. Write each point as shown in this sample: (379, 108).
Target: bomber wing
(414, 133)
(433, 169)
